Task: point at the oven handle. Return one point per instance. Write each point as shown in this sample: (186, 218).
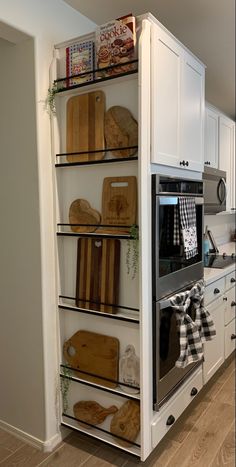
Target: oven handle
(172, 200)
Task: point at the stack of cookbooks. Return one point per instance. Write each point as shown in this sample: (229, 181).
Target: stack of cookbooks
(110, 54)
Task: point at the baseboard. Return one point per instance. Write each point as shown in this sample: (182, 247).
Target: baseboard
(45, 446)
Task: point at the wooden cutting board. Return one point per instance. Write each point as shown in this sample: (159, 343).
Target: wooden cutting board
(121, 130)
(94, 353)
(92, 412)
(80, 212)
(85, 126)
(126, 422)
(98, 269)
(119, 203)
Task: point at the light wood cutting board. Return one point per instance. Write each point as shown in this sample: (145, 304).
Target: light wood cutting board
(119, 203)
(85, 126)
(94, 353)
(98, 269)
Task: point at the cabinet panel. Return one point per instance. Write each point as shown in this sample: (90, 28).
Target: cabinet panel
(211, 156)
(230, 333)
(230, 280)
(192, 119)
(214, 350)
(166, 63)
(214, 290)
(230, 305)
(227, 156)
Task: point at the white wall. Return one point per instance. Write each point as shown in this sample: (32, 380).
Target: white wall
(28, 357)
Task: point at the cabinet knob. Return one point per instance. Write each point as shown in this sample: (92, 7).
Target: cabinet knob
(193, 392)
(170, 420)
(232, 280)
(216, 291)
(187, 163)
(182, 163)
(233, 336)
(233, 303)
(225, 299)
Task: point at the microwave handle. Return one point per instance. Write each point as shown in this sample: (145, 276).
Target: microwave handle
(222, 180)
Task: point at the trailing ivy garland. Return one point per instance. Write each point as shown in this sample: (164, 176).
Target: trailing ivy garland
(49, 102)
(65, 384)
(132, 253)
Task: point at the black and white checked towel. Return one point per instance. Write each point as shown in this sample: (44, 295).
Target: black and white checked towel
(192, 333)
(187, 215)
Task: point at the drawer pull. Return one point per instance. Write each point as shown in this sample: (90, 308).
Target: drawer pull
(232, 280)
(216, 291)
(193, 392)
(225, 299)
(233, 336)
(233, 303)
(170, 420)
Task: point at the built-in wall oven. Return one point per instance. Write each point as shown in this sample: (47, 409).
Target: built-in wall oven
(171, 269)
(173, 272)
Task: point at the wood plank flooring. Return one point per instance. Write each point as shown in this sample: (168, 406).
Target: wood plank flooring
(204, 436)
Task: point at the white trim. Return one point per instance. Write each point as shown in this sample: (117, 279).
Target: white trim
(45, 446)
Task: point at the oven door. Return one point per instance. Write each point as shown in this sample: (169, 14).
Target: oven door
(171, 268)
(166, 346)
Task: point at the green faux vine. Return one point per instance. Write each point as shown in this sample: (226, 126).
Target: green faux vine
(49, 102)
(132, 253)
(65, 384)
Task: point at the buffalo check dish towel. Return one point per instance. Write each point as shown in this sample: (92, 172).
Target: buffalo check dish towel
(187, 215)
(192, 334)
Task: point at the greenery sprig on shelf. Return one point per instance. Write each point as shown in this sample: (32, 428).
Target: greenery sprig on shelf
(132, 253)
(65, 384)
(49, 102)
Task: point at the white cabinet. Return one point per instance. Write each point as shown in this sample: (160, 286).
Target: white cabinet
(211, 152)
(177, 84)
(227, 157)
(214, 350)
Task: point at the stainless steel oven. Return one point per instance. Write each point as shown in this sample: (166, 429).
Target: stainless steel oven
(166, 350)
(171, 268)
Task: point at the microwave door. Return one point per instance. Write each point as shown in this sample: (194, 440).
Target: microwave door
(221, 191)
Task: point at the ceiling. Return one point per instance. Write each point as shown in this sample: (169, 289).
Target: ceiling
(206, 27)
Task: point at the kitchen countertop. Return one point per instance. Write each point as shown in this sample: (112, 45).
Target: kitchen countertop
(212, 274)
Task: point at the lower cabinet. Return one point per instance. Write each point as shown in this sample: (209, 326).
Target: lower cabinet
(214, 350)
(172, 410)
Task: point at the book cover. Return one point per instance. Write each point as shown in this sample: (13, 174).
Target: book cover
(115, 44)
(79, 59)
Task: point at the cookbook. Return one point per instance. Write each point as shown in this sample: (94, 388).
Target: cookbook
(79, 59)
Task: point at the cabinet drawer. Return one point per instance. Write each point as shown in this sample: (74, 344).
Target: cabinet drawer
(214, 290)
(230, 333)
(230, 305)
(175, 407)
(230, 280)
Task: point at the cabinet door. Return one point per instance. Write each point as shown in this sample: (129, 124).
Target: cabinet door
(192, 113)
(211, 138)
(165, 100)
(227, 156)
(214, 350)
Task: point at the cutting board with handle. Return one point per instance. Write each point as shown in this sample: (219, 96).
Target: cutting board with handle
(85, 126)
(93, 353)
(98, 269)
(91, 412)
(119, 203)
(121, 130)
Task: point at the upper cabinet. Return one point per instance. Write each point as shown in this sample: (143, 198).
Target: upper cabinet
(177, 83)
(227, 157)
(211, 155)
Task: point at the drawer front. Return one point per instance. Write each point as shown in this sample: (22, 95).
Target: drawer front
(175, 407)
(230, 305)
(230, 334)
(230, 280)
(214, 290)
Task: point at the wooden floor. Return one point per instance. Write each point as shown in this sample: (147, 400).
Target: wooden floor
(204, 436)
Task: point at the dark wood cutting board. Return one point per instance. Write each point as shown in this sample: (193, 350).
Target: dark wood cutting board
(98, 269)
(93, 353)
(85, 126)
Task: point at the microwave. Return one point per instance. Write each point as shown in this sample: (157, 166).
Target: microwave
(215, 191)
